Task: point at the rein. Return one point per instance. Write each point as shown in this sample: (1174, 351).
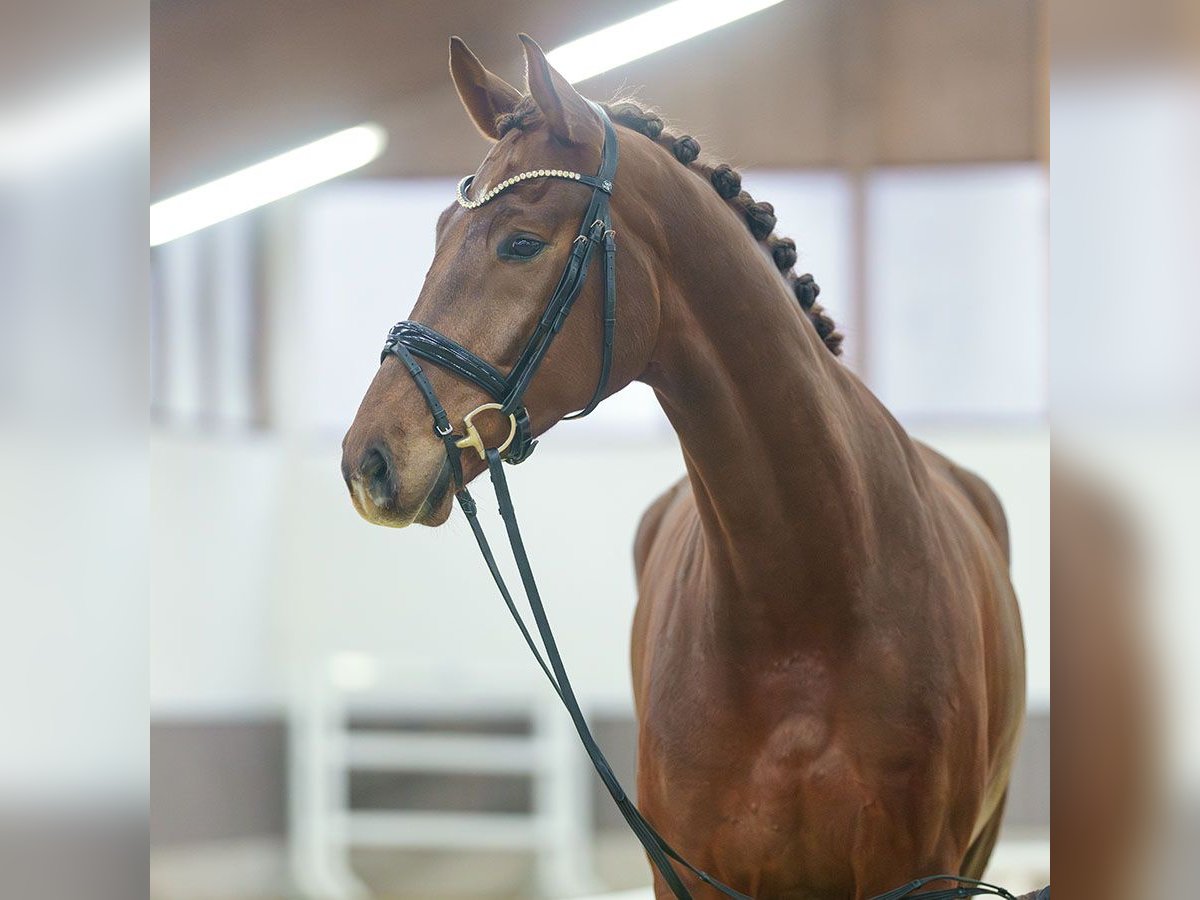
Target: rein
(408, 340)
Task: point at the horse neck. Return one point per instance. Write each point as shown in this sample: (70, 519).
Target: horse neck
(783, 445)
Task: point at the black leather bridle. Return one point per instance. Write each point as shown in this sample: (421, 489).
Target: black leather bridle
(408, 340)
(411, 339)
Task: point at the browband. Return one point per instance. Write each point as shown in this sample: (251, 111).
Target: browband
(593, 181)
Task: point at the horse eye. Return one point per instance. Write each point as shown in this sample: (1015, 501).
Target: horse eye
(522, 247)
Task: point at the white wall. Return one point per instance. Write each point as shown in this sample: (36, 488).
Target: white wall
(956, 291)
(215, 505)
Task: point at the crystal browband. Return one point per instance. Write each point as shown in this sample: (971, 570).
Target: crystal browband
(466, 203)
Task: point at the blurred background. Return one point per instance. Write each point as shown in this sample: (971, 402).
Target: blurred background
(327, 719)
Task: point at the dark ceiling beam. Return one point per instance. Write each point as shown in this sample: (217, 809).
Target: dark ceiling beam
(808, 83)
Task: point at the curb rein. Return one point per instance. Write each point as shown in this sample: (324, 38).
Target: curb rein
(408, 340)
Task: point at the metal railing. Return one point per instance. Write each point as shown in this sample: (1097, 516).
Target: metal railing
(329, 744)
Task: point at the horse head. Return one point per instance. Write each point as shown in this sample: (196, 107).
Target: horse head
(502, 251)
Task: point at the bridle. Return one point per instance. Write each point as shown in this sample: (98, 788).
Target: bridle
(408, 340)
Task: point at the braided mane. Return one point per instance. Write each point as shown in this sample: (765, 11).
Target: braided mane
(758, 215)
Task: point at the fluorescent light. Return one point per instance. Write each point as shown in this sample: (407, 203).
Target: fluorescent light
(265, 182)
(642, 35)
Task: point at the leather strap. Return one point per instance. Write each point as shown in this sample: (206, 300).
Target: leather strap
(554, 315)
(608, 322)
(441, 422)
(423, 341)
(656, 847)
(965, 887)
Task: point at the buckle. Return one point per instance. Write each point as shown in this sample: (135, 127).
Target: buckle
(472, 438)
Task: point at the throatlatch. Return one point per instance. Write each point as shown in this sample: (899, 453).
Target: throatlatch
(408, 340)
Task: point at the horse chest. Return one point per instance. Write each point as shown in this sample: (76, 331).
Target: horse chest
(760, 736)
(745, 763)
(761, 802)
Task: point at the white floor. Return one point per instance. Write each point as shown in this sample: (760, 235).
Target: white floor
(1019, 864)
(257, 870)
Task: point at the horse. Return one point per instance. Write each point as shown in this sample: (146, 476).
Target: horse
(827, 655)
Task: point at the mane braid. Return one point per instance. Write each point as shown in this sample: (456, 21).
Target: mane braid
(758, 215)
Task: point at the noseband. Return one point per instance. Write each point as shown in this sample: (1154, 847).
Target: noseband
(408, 340)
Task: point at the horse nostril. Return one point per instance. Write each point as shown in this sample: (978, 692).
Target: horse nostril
(376, 470)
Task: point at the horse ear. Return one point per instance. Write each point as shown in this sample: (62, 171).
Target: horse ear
(567, 114)
(486, 96)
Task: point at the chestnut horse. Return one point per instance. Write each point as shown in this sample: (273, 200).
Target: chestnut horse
(827, 655)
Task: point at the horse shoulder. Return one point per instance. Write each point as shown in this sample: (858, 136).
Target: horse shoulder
(1003, 652)
(977, 492)
(647, 532)
(651, 520)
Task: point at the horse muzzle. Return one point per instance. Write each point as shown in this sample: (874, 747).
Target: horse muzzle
(384, 496)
